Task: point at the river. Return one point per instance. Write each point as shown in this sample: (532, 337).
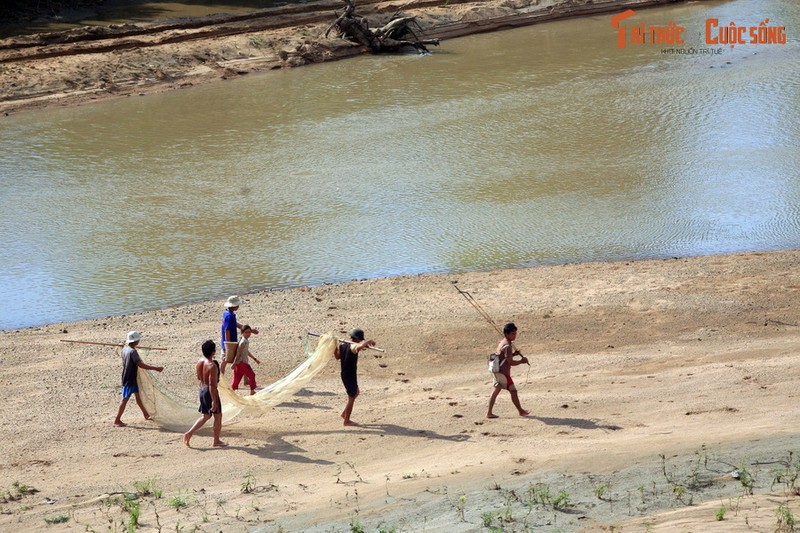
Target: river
(541, 145)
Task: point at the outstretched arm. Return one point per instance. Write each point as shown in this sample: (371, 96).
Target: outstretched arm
(362, 345)
(240, 326)
(213, 381)
(142, 364)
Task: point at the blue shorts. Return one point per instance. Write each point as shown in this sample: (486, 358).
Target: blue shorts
(127, 392)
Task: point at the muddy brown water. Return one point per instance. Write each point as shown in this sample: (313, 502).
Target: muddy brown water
(546, 144)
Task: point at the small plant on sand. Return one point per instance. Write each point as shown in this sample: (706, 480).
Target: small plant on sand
(539, 494)
(600, 491)
(786, 520)
(788, 476)
(257, 41)
(58, 519)
(130, 505)
(641, 489)
(249, 483)
(179, 501)
(487, 518)
(356, 527)
(19, 490)
(461, 505)
(561, 501)
(747, 480)
(679, 491)
(147, 488)
(508, 507)
(719, 516)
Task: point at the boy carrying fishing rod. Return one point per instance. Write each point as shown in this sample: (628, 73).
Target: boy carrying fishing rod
(504, 355)
(501, 361)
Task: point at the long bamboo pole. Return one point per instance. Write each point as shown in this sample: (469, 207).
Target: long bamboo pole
(111, 344)
(345, 340)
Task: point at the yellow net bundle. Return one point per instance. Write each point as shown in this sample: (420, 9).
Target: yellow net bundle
(170, 411)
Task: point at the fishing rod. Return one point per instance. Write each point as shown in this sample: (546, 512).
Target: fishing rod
(478, 308)
(474, 303)
(111, 344)
(344, 340)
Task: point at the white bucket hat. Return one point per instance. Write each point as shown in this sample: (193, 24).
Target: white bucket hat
(133, 336)
(233, 301)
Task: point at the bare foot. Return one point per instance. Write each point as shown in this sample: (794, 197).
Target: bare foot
(186, 438)
(220, 444)
(492, 415)
(524, 413)
(120, 424)
(350, 423)
(148, 417)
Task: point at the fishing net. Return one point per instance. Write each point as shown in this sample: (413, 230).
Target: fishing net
(173, 412)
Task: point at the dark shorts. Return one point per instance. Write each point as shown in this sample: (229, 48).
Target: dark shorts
(350, 381)
(205, 401)
(127, 392)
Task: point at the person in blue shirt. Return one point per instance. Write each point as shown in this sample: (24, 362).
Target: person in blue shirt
(229, 332)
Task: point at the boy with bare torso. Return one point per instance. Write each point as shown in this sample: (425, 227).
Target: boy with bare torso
(502, 380)
(207, 369)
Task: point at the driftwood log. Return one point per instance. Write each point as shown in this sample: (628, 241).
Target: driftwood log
(391, 37)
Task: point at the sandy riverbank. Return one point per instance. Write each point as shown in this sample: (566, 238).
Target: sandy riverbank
(98, 63)
(651, 381)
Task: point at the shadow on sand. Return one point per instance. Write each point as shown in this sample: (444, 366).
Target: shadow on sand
(579, 423)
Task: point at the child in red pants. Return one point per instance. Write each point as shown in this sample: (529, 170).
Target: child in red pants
(241, 365)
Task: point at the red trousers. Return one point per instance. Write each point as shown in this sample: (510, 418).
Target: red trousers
(239, 371)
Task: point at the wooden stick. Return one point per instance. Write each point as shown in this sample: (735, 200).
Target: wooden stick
(112, 344)
(344, 340)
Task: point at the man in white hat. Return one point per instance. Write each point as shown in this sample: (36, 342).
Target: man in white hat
(230, 327)
(131, 362)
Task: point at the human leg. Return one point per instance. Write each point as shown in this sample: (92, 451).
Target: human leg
(197, 425)
(237, 375)
(118, 421)
(348, 409)
(218, 430)
(250, 376)
(515, 399)
(495, 392)
(141, 406)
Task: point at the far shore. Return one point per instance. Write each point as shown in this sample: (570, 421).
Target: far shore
(81, 66)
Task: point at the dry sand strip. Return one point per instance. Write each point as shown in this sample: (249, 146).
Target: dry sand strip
(650, 383)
